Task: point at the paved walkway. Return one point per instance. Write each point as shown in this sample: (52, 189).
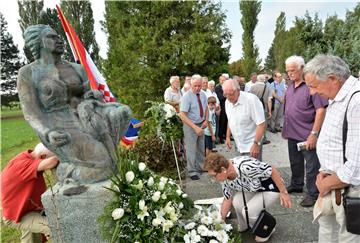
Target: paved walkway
(293, 225)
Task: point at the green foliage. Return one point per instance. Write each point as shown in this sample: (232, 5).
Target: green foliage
(10, 64)
(249, 11)
(153, 40)
(236, 68)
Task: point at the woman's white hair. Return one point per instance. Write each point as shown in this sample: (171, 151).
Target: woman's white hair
(173, 79)
(261, 78)
(211, 82)
(298, 60)
(40, 150)
(324, 65)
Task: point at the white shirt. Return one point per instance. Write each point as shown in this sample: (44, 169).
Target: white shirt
(209, 93)
(329, 145)
(248, 86)
(171, 96)
(243, 117)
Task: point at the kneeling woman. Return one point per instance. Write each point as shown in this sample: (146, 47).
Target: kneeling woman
(258, 179)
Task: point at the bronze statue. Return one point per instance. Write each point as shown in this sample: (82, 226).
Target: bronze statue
(71, 120)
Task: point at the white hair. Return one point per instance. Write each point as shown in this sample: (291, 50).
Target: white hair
(173, 79)
(298, 60)
(261, 78)
(196, 77)
(324, 65)
(40, 149)
(226, 75)
(211, 82)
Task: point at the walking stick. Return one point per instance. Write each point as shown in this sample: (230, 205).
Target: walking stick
(176, 161)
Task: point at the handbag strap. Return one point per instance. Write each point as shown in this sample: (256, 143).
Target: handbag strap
(244, 199)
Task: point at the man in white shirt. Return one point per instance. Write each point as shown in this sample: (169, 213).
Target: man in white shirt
(252, 82)
(246, 120)
(329, 76)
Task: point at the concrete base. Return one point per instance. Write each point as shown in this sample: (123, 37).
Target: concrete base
(74, 217)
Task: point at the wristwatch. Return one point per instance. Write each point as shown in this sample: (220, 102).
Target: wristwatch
(258, 143)
(315, 133)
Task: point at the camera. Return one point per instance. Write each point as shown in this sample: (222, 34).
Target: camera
(301, 146)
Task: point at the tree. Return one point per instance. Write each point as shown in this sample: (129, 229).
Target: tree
(151, 41)
(29, 12)
(80, 16)
(10, 64)
(235, 68)
(249, 11)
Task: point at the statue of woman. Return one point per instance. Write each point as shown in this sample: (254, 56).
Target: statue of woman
(70, 119)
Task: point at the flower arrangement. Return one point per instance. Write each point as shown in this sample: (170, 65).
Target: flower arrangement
(150, 208)
(167, 122)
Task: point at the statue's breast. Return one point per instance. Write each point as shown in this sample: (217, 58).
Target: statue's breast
(53, 94)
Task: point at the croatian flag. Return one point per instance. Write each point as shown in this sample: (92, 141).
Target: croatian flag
(97, 81)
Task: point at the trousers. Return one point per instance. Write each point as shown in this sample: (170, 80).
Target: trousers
(195, 150)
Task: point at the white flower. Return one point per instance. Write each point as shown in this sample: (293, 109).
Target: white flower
(117, 213)
(167, 225)
(129, 176)
(169, 111)
(150, 181)
(178, 191)
(213, 241)
(203, 230)
(156, 196)
(143, 214)
(206, 220)
(190, 226)
(194, 237)
(139, 186)
(181, 205)
(164, 179)
(163, 196)
(184, 195)
(226, 227)
(141, 204)
(161, 186)
(142, 166)
(156, 222)
(222, 236)
(173, 216)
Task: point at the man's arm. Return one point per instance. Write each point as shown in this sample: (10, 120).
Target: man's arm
(312, 138)
(187, 121)
(228, 136)
(259, 132)
(48, 163)
(325, 183)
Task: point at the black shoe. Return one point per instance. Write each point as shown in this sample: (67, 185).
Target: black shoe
(273, 130)
(308, 202)
(278, 130)
(194, 177)
(266, 142)
(292, 189)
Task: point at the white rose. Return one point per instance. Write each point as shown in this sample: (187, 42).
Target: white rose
(150, 181)
(156, 222)
(190, 226)
(117, 213)
(129, 176)
(163, 196)
(184, 195)
(161, 186)
(213, 241)
(181, 205)
(141, 204)
(178, 191)
(164, 179)
(156, 196)
(142, 166)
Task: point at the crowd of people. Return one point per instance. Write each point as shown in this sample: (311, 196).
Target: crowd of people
(307, 105)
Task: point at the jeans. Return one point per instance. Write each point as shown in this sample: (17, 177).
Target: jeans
(297, 168)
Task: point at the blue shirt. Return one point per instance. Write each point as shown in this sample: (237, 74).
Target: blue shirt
(190, 104)
(279, 89)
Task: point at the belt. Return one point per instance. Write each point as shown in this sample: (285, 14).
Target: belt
(338, 196)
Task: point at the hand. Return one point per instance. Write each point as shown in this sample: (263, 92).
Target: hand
(228, 143)
(321, 184)
(285, 200)
(213, 138)
(255, 150)
(204, 125)
(311, 142)
(269, 115)
(199, 131)
(58, 138)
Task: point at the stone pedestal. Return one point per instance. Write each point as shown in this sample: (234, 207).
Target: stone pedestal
(74, 218)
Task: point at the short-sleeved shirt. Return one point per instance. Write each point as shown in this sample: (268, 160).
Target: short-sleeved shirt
(248, 86)
(171, 96)
(279, 89)
(243, 117)
(190, 104)
(255, 177)
(258, 89)
(300, 111)
(21, 187)
(209, 93)
(212, 120)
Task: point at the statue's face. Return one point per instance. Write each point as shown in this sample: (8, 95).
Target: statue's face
(52, 42)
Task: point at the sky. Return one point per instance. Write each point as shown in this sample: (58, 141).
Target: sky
(264, 32)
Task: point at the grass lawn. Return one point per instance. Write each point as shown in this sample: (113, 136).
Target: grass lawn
(16, 136)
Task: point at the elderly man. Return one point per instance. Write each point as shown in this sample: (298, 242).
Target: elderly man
(246, 118)
(172, 94)
(187, 85)
(251, 82)
(304, 114)
(278, 92)
(329, 76)
(194, 112)
(22, 184)
(222, 118)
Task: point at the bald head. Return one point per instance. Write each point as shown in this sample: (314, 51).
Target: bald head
(231, 90)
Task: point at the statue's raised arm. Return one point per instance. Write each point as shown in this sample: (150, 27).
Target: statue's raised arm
(70, 119)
